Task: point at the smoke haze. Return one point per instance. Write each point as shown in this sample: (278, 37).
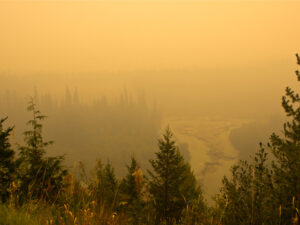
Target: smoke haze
(206, 68)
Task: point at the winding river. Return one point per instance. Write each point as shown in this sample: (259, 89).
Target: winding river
(211, 152)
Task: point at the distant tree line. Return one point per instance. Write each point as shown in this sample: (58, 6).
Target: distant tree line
(106, 129)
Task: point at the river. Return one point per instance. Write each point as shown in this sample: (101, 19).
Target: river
(211, 152)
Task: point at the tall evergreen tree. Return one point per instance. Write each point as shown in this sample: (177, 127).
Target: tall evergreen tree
(40, 176)
(7, 163)
(168, 181)
(286, 150)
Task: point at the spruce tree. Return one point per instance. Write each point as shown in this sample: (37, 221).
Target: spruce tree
(41, 176)
(168, 181)
(7, 163)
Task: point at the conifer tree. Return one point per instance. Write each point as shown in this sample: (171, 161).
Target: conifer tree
(131, 192)
(41, 176)
(247, 195)
(107, 184)
(128, 185)
(257, 194)
(7, 163)
(196, 210)
(110, 183)
(168, 179)
(286, 150)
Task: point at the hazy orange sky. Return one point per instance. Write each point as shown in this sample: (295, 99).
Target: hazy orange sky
(192, 56)
(89, 36)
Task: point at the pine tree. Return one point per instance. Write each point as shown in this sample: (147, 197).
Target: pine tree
(41, 177)
(286, 151)
(7, 163)
(168, 179)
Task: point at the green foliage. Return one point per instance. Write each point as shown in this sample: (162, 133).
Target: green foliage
(246, 196)
(172, 184)
(189, 186)
(128, 185)
(286, 151)
(131, 190)
(257, 194)
(12, 216)
(7, 163)
(196, 212)
(40, 177)
(107, 184)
